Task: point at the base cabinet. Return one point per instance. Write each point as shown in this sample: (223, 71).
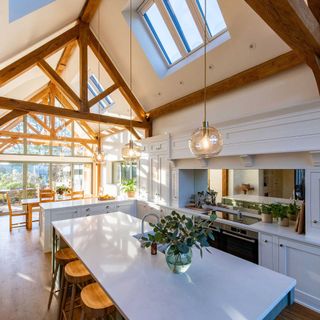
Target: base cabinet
(297, 260)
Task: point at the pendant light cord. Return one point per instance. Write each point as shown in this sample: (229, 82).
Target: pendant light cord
(205, 64)
(99, 132)
(130, 66)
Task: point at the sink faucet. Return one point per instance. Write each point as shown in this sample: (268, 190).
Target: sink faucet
(142, 226)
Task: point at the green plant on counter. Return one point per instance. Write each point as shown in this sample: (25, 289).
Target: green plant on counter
(293, 208)
(128, 185)
(266, 209)
(181, 233)
(279, 210)
(62, 189)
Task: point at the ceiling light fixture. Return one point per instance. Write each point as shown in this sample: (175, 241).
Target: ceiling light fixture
(131, 152)
(205, 142)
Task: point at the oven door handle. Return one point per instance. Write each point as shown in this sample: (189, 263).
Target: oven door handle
(238, 237)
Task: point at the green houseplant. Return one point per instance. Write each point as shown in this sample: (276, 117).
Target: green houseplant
(266, 213)
(280, 211)
(129, 187)
(293, 211)
(181, 233)
(62, 189)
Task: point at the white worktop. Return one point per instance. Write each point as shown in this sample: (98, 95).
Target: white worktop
(77, 203)
(219, 286)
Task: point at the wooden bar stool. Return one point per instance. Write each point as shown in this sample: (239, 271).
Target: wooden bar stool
(96, 303)
(76, 275)
(63, 256)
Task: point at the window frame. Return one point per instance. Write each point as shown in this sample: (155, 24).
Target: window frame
(172, 27)
(96, 88)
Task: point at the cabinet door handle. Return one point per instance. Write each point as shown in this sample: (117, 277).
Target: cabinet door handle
(281, 245)
(88, 215)
(315, 221)
(88, 209)
(107, 207)
(265, 241)
(75, 211)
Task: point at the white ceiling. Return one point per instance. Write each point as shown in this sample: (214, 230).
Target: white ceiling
(34, 27)
(231, 57)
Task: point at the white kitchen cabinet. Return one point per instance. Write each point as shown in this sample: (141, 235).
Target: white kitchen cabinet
(143, 175)
(126, 207)
(302, 262)
(266, 256)
(297, 260)
(313, 200)
(159, 182)
(174, 177)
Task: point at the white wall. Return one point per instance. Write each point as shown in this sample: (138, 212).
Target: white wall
(277, 92)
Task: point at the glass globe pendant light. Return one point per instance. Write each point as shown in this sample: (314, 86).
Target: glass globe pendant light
(130, 151)
(205, 142)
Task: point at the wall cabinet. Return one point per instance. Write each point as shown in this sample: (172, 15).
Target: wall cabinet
(143, 175)
(297, 260)
(313, 201)
(174, 177)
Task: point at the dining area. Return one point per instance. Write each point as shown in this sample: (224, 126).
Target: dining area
(30, 207)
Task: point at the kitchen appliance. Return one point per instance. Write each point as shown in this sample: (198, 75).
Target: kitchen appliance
(236, 241)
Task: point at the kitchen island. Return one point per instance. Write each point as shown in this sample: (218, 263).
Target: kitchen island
(219, 286)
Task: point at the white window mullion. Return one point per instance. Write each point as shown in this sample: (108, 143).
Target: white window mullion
(174, 33)
(197, 16)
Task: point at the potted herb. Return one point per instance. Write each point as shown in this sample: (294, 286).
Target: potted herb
(129, 187)
(180, 234)
(293, 211)
(266, 213)
(280, 211)
(62, 189)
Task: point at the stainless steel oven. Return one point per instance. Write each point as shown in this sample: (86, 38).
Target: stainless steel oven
(239, 242)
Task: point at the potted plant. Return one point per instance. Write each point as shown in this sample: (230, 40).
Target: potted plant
(280, 211)
(293, 211)
(62, 189)
(129, 187)
(266, 213)
(180, 234)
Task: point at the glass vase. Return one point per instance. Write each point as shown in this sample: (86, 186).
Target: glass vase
(178, 263)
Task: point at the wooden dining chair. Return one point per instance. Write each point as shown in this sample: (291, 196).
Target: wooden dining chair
(13, 214)
(77, 195)
(46, 195)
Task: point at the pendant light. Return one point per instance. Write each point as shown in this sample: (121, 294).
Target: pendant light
(131, 152)
(99, 155)
(205, 142)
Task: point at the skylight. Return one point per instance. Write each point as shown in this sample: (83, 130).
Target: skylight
(95, 88)
(20, 8)
(162, 34)
(177, 25)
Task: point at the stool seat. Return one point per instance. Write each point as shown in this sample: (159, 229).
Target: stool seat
(65, 255)
(94, 297)
(76, 272)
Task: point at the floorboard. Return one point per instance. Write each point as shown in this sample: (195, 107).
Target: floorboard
(25, 279)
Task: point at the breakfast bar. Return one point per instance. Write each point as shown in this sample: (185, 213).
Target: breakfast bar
(142, 286)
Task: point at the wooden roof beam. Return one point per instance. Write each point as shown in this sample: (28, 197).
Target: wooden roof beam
(37, 136)
(59, 82)
(10, 116)
(14, 104)
(88, 10)
(314, 6)
(295, 24)
(28, 61)
(83, 66)
(133, 132)
(271, 67)
(102, 95)
(115, 75)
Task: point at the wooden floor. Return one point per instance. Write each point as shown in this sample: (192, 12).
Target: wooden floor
(25, 279)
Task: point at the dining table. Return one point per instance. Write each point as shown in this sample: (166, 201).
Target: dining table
(32, 203)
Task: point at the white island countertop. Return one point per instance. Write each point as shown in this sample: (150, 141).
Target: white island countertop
(219, 286)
